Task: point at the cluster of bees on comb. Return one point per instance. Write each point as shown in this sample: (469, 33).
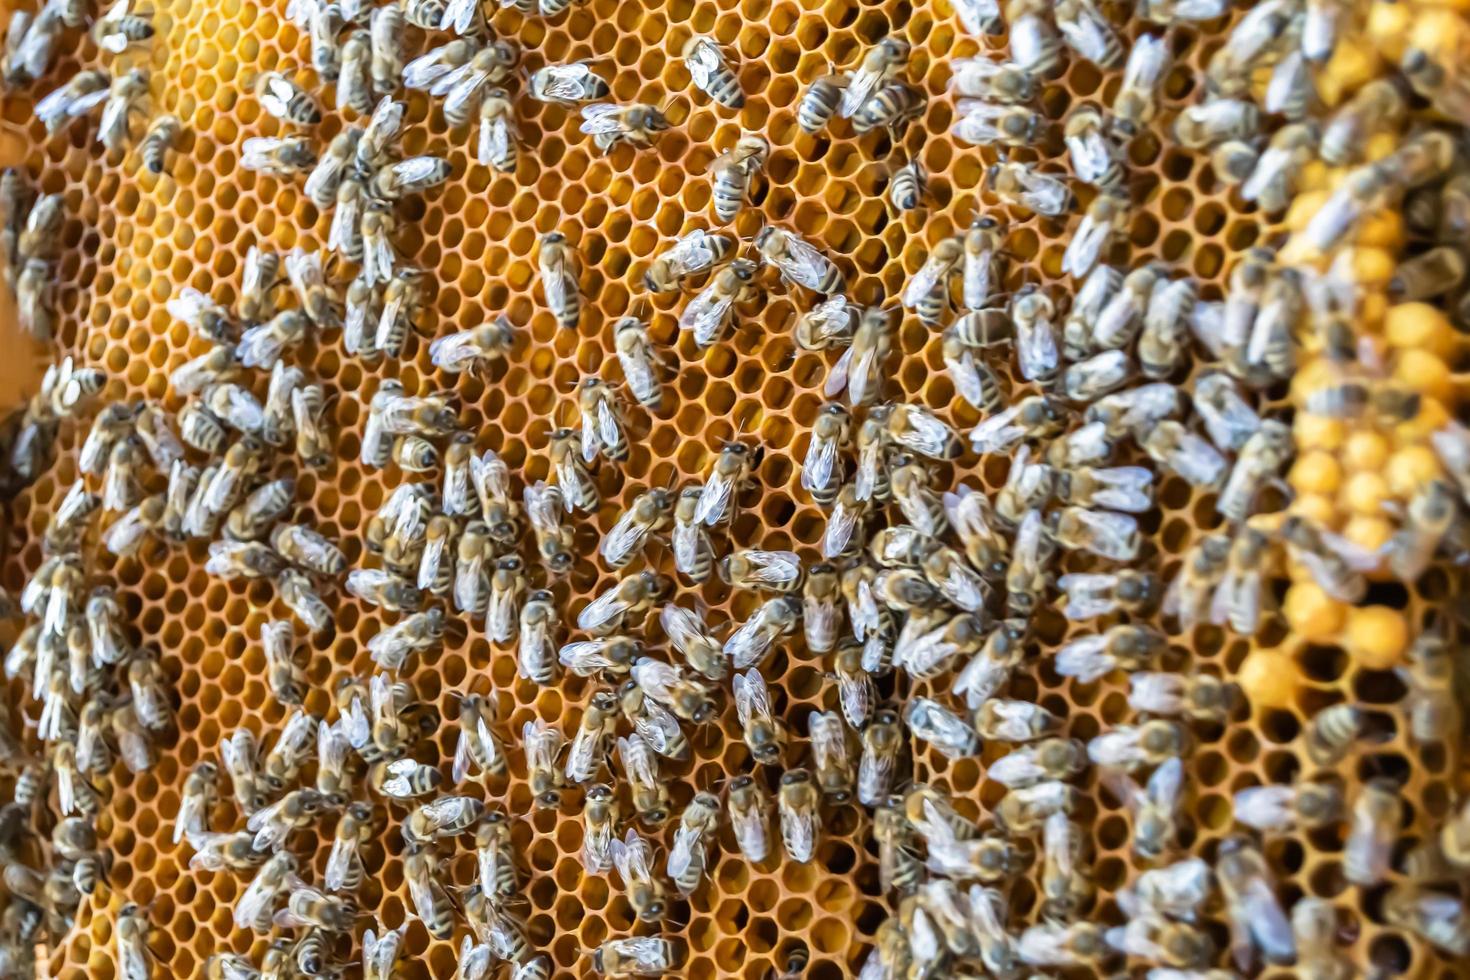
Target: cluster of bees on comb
(1306, 404)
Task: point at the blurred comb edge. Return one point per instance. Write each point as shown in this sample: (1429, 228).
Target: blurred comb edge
(22, 357)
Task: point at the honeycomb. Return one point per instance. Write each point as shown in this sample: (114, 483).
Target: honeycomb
(132, 240)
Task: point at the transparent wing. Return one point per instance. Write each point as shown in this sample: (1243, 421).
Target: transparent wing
(706, 315)
(601, 119)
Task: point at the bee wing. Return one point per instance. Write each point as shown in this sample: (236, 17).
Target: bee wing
(637, 760)
(422, 72)
(1018, 769)
(459, 16)
(346, 219)
(1036, 348)
(863, 372)
(840, 377)
(923, 282)
(803, 264)
(752, 697)
(964, 372)
(682, 626)
(706, 315)
(799, 833)
(601, 119)
(452, 79)
(1086, 247)
(1264, 808)
(842, 524)
(497, 137)
(638, 367)
(714, 501)
(609, 429)
(862, 85)
(543, 507)
(692, 253)
(189, 305)
(601, 611)
(563, 83)
(681, 852)
(703, 60)
(926, 433)
(976, 278)
(1259, 915)
(829, 739)
(820, 463)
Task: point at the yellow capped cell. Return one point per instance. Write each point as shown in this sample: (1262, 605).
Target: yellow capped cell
(1315, 374)
(1349, 67)
(1313, 177)
(1388, 27)
(1317, 431)
(1311, 613)
(1383, 227)
(1368, 531)
(1306, 204)
(1315, 507)
(1419, 326)
(1269, 679)
(1376, 636)
(1315, 472)
(1372, 310)
(1380, 145)
(1373, 266)
(1432, 415)
(1365, 493)
(1365, 451)
(1410, 468)
(1424, 372)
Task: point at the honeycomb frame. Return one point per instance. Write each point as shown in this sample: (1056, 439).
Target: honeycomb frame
(131, 240)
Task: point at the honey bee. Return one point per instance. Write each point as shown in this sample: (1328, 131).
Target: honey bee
(573, 482)
(1136, 104)
(1432, 514)
(880, 63)
(1006, 720)
(134, 958)
(163, 135)
(609, 125)
(448, 816)
(1096, 159)
(650, 513)
(860, 369)
(898, 865)
(238, 753)
(1254, 912)
(799, 806)
(1439, 918)
(380, 951)
(640, 767)
(201, 792)
(1106, 217)
(1020, 185)
(380, 588)
(1272, 181)
(1376, 816)
(932, 722)
(494, 856)
(311, 908)
(568, 84)
(430, 901)
(654, 724)
(614, 654)
(254, 907)
(437, 562)
(543, 744)
(831, 755)
(286, 677)
(640, 362)
(709, 314)
(84, 92)
(595, 732)
(1000, 82)
(798, 262)
(688, 634)
(634, 860)
(30, 44)
(689, 852)
(333, 780)
(403, 779)
(1214, 121)
(229, 966)
(1430, 676)
(1073, 944)
(1335, 564)
(1314, 926)
(629, 598)
(711, 73)
(600, 812)
(385, 38)
(354, 77)
(693, 553)
(690, 255)
(821, 611)
(1130, 747)
(281, 97)
(638, 956)
(927, 292)
(1052, 758)
(478, 744)
(1278, 809)
(538, 624)
(507, 586)
(604, 428)
(908, 185)
(124, 99)
(300, 596)
(764, 734)
(732, 173)
(774, 619)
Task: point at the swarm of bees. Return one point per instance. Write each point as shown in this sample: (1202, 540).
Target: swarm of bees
(929, 603)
